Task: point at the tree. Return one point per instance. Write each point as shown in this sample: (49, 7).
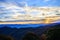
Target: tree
(31, 36)
(4, 37)
(53, 34)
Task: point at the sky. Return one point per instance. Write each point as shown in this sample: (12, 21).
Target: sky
(10, 9)
(36, 3)
(16, 4)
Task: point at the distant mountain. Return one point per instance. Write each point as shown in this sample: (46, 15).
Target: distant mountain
(18, 34)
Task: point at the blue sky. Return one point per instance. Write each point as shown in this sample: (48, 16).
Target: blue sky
(43, 2)
(8, 8)
(36, 2)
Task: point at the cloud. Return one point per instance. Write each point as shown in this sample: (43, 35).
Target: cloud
(9, 11)
(50, 0)
(46, 0)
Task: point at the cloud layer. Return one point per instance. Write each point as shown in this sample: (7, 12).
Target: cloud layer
(15, 10)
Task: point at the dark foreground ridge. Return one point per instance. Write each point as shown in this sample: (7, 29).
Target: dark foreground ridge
(19, 34)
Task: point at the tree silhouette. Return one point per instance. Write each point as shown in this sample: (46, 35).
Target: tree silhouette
(31, 36)
(53, 34)
(4, 37)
